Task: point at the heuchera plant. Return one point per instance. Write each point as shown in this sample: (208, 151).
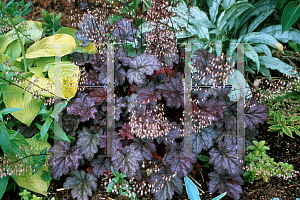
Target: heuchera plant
(138, 154)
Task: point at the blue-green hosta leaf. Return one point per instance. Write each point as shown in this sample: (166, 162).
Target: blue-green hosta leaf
(200, 18)
(247, 68)
(3, 185)
(290, 15)
(213, 9)
(262, 48)
(281, 3)
(4, 139)
(82, 184)
(259, 7)
(265, 71)
(227, 3)
(275, 63)
(88, 141)
(233, 46)
(243, 30)
(219, 47)
(259, 19)
(140, 66)
(191, 189)
(258, 37)
(251, 53)
(236, 82)
(275, 30)
(232, 13)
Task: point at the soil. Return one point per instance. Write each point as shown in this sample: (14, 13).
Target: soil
(282, 149)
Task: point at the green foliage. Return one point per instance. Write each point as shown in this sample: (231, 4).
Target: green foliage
(16, 11)
(119, 184)
(260, 166)
(25, 195)
(290, 15)
(278, 120)
(52, 23)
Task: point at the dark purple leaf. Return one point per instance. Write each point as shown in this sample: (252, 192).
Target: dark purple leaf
(173, 91)
(255, 113)
(148, 95)
(203, 139)
(174, 133)
(165, 183)
(181, 160)
(83, 106)
(225, 158)
(100, 164)
(63, 158)
(124, 31)
(140, 66)
(88, 141)
(226, 183)
(145, 146)
(82, 184)
(127, 160)
(125, 131)
(99, 95)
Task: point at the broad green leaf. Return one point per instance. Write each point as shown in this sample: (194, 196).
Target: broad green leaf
(203, 158)
(275, 63)
(262, 48)
(291, 34)
(287, 131)
(136, 3)
(259, 19)
(251, 53)
(294, 46)
(6, 111)
(213, 9)
(251, 147)
(4, 139)
(232, 13)
(17, 141)
(191, 189)
(290, 15)
(3, 185)
(256, 143)
(34, 182)
(236, 83)
(233, 46)
(258, 37)
(41, 64)
(15, 65)
(14, 50)
(58, 109)
(295, 118)
(32, 29)
(45, 127)
(243, 30)
(297, 132)
(70, 75)
(15, 97)
(281, 3)
(91, 49)
(49, 46)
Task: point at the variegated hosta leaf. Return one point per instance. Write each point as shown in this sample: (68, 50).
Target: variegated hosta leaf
(55, 45)
(81, 184)
(15, 97)
(88, 141)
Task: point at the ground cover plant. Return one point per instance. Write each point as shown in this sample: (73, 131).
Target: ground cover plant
(149, 87)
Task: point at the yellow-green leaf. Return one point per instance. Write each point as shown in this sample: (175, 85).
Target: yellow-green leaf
(14, 49)
(34, 182)
(15, 97)
(70, 31)
(297, 132)
(32, 29)
(275, 127)
(70, 75)
(51, 46)
(43, 86)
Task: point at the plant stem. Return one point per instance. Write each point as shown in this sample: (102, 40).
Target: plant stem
(22, 47)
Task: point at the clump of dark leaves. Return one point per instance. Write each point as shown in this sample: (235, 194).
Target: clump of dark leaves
(213, 112)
